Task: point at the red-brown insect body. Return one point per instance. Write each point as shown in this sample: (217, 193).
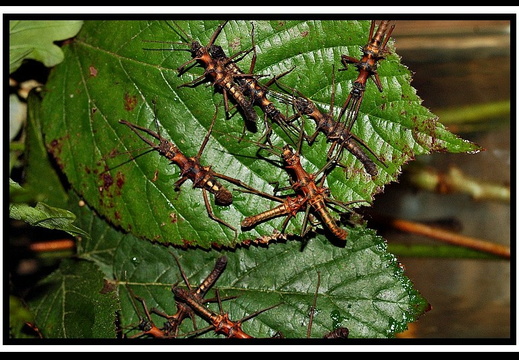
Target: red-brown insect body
(203, 177)
(258, 95)
(224, 78)
(148, 328)
(232, 329)
(250, 87)
(335, 132)
(373, 52)
(193, 300)
(309, 194)
(220, 322)
(216, 72)
(183, 309)
(316, 196)
(190, 167)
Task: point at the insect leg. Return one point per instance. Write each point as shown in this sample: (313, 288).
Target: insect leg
(213, 216)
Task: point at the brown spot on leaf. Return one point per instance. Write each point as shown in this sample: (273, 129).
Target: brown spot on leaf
(130, 102)
(92, 70)
(55, 147)
(113, 153)
(425, 133)
(107, 181)
(187, 243)
(108, 286)
(120, 179)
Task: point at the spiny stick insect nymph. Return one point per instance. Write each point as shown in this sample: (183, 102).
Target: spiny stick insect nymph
(202, 177)
(215, 72)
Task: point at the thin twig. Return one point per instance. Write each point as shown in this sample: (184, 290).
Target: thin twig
(53, 245)
(449, 237)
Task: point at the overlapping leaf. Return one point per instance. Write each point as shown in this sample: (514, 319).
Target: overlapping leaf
(361, 287)
(108, 75)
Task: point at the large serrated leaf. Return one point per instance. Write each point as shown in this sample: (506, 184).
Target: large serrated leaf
(361, 286)
(108, 75)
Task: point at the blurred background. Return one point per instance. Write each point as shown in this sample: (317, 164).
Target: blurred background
(462, 72)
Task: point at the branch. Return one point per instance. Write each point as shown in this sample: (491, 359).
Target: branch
(446, 236)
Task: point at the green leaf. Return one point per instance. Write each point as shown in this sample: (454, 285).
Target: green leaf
(19, 316)
(69, 303)
(361, 287)
(103, 241)
(43, 215)
(108, 75)
(30, 39)
(49, 188)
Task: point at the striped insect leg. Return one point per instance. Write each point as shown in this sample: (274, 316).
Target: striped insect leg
(290, 207)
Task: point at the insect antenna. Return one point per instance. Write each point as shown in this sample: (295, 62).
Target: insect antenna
(180, 31)
(313, 307)
(150, 148)
(248, 317)
(207, 135)
(117, 153)
(165, 42)
(146, 324)
(189, 41)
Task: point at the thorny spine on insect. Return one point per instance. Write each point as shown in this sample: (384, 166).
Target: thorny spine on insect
(316, 195)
